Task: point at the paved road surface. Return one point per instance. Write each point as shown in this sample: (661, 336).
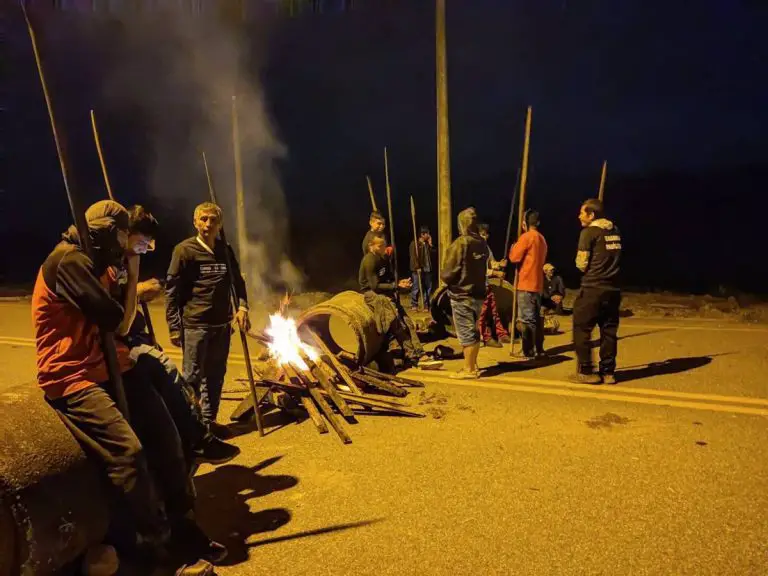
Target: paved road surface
(518, 472)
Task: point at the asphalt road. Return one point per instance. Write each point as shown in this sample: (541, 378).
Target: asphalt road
(518, 472)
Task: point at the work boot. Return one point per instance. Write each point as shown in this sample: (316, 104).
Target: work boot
(608, 378)
(214, 451)
(580, 378)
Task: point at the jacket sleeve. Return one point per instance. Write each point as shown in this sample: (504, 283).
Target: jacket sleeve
(77, 283)
(558, 286)
(174, 286)
(454, 258)
(237, 276)
(584, 252)
(518, 250)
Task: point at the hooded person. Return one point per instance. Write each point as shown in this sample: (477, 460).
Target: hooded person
(598, 258)
(71, 306)
(464, 273)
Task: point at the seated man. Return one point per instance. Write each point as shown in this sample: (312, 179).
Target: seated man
(554, 290)
(200, 445)
(70, 307)
(377, 283)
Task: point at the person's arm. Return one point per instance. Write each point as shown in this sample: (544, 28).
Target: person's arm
(130, 300)
(241, 293)
(584, 252)
(454, 259)
(174, 285)
(558, 286)
(519, 249)
(77, 283)
(149, 290)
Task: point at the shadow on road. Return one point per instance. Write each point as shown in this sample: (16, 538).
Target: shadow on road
(223, 510)
(316, 532)
(670, 366)
(562, 349)
(522, 366)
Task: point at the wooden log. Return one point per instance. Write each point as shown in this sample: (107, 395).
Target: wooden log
(390, 387)
(328, 387)
(334, 419)
(314, 414)
(338, 366)
(392, 377)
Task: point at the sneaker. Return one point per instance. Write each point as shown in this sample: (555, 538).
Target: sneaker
(504, 340)
(219, 430)
(579, 378)
(214, 451)
(465, 375)
(608, 378)
(193, 544)
(519, 354)
(199, 568)
(493, 344)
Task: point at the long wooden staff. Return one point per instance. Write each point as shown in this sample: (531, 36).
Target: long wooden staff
(521, 213)
(601, 190)
(391, 220)
(97, 141)
(78, 215)
(233, 294)
(370, 193)
(505, 254)
(416, 252)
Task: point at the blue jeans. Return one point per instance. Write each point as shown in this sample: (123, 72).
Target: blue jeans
(426, 286)
(466, 313)
(528, 308)
(205, 364)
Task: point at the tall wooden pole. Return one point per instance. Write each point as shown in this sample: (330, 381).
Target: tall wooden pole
(391, 219)
(521, 215)
(370, 193)
(242, 236)
(444, 209)
(416, 253)
(602, 180)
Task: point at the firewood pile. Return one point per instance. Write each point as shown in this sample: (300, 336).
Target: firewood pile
(332, 389)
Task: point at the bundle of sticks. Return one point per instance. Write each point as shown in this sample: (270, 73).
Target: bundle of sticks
(329, 387)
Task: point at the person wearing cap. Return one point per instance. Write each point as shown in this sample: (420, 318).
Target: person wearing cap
(464, 274)
(199, 307)
(554, 290)
(530, 254)
(71, 306)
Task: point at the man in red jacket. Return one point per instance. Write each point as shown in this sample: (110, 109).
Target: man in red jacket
(530, 253)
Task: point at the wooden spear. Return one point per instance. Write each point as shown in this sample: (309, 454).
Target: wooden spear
(78, 215)
(370, 192)
(416, 252)
(505, 254)
(391, 220)
(233, 294)
(521, 213)
(601, 190)
(97, 141)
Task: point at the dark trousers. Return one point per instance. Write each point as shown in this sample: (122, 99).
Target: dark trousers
(426, 286)
(489, 316)
(596, 307)
(94, 420)
(393, 320)
(205, 364)
(531, 322)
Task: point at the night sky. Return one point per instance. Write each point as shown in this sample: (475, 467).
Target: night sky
(672, 94)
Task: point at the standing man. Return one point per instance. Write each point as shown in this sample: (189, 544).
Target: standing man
(495, 269)
(199, 307)
(421, 267)
(530, 253)
(464, 275)
(598, 258)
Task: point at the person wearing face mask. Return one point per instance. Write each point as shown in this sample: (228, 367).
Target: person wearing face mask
(199, 307)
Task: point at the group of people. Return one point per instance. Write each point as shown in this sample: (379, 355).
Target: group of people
(469, 264)
(150, 453)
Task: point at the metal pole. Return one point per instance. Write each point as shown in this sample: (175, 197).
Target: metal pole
(233, 294)
(78, 215)
(444, 209)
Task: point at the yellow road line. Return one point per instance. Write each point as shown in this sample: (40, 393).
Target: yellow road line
(486, 383)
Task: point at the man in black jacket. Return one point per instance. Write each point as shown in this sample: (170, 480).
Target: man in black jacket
(554, 290)
(421, 259)
(377, 283)
(199, 307)
(464, 274)
(598, 258)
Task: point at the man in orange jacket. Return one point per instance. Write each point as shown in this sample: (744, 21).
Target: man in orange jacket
(530, 253)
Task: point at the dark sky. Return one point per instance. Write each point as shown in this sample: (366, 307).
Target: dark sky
(653, 87)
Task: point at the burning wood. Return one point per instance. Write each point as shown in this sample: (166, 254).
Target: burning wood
(318, 381)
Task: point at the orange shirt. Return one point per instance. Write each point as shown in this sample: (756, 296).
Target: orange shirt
(530, 251)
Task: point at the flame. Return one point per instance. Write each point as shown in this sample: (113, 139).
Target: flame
(286, 346)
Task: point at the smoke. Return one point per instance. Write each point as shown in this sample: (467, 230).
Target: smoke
(180, 70)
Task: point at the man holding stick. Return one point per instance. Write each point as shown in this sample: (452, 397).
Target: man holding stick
(421, 255)
(598, 258)
(199, 310)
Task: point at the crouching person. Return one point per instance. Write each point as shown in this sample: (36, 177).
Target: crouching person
(71, 304)
(377, 283)
(464, 274)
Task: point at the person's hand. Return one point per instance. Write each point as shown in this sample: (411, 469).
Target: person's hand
(503, 263)
(242, 321)
(405, 283)
(497, 274)
(149, 289)
(132, 265)
(429, 240)
(557, 298)
(389, 251)
(176, 338)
